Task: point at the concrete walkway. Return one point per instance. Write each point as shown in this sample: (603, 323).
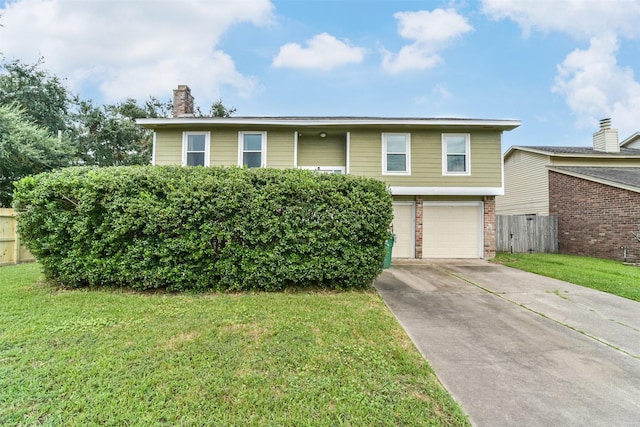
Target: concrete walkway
(518, 349)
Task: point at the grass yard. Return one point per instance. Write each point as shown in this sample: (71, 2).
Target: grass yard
(112, 357)
(601, 274)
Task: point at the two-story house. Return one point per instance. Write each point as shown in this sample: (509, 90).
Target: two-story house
(443, 174)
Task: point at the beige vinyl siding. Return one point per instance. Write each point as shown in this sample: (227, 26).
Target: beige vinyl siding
(329, 151)
(168, 147)
(526, 181)
(280, 148)
(426, 159)
(224, 147)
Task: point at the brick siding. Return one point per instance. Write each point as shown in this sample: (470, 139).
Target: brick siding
(489, 226)
(419, 222)
(594, 219)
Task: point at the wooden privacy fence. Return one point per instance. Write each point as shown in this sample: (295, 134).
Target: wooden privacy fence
(527, 233)
(11, 251)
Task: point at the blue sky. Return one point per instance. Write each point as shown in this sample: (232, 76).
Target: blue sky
(557, 65)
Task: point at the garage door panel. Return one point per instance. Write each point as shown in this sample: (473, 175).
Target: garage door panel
(403, 228)
(451, 231)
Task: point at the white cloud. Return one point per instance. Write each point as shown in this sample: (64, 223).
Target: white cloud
(592, 82)
(133, 48)
(578, 18)
(323, 52)
(595, 86)
(431, 32)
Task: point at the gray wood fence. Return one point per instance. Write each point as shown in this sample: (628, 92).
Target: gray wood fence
(527, 233)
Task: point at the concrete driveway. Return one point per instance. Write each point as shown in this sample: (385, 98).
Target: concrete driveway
(518, 349)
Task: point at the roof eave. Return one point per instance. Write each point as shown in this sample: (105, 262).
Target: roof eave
(602, 155)
(503, 125)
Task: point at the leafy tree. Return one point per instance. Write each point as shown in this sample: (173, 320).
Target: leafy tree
(25, 149)
(43, 97)
(100, 135)
(108, 135)
(219, 110)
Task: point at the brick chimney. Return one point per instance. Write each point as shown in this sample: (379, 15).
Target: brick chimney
(606, 139)
(182, 102)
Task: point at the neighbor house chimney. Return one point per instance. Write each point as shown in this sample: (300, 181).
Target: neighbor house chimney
(182, 102)
(606, 139)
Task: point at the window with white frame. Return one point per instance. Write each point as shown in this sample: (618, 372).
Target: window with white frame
(396, 154)
(252, 149)
(195, 148)
(456, 154)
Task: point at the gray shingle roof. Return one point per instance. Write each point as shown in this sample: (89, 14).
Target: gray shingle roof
(584, 151)
(625, 176)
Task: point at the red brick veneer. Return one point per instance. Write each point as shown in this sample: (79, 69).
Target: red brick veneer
(594, 219)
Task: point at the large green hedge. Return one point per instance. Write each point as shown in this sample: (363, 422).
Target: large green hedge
(204, 228)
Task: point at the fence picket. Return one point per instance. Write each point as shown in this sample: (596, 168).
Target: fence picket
(11, 251)
(527, 233)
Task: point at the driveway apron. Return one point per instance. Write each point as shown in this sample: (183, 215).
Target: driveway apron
(518, 349)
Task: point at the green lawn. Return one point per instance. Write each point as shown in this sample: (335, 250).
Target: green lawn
(601, 274)
(111, 357)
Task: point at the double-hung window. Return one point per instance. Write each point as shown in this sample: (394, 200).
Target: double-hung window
(195, 148)
(252, 151)
(396, 154)
(456, 154)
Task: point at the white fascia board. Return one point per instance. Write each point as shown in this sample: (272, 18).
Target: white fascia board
(447, 191)
(507, 124)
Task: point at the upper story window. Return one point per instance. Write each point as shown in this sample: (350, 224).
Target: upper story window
(456, 154)
(252, 151)
(195, 148)
(396, 154)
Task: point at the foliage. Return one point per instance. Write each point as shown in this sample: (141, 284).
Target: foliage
(25, 148)
(116, 358)
(43, 97)
(104, 135)
(199, 228)
(218, 109)
(108, 135)
(601, 274)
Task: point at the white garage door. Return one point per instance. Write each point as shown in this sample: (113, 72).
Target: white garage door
(452, 230)
(403, 214)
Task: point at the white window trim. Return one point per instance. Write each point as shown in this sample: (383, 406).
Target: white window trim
(263, 150)
(467, 159)
(153, 152)
(407, 154)
(207, 146)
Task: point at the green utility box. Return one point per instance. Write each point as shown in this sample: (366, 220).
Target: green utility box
(389, 250)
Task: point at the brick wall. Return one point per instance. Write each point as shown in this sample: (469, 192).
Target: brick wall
(489, 226)
(594, 219)
(419, 222)
(182, 101)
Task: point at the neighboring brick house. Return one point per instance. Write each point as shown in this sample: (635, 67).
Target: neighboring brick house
(443, 173)
(594, 192)
(598, 210)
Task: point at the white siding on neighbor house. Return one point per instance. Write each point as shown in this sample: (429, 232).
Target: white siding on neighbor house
(526, 185)
(635, 144)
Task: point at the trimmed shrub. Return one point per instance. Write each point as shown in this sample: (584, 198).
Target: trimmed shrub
(204, 228)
